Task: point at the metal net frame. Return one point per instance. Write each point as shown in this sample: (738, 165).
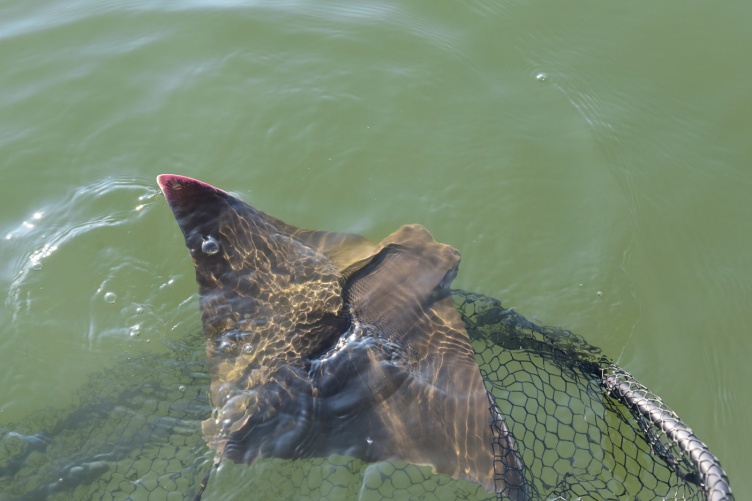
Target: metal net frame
(582, 427)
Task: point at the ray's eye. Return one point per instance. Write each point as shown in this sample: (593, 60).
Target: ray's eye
(210, 246)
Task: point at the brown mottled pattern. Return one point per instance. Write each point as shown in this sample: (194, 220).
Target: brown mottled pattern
(327, 343)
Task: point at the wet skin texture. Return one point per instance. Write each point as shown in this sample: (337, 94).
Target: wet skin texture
(325, 343)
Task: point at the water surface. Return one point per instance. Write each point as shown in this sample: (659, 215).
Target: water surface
(590, 160)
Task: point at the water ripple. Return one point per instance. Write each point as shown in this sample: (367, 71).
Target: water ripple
(56, 225)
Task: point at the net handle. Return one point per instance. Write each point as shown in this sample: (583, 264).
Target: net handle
(625, 388)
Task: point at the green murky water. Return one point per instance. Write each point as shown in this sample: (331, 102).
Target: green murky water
(591, 161)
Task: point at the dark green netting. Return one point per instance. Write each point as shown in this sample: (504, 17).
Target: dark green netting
(583, 428)
(134, 433)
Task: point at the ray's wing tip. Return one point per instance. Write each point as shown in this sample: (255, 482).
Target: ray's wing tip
(176, 181)
(163, 179)
(166, 180)
(175, 186)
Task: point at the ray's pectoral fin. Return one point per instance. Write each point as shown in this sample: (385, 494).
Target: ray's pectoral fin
(437, 412)
(268, 298)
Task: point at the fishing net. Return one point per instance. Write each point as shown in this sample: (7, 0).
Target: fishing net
(582, 427)
(133, 432)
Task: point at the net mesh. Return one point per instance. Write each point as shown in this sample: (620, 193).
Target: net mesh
(583, 428)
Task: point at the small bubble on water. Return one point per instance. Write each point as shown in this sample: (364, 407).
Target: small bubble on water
(599, 293)
(182, 388)
(369, 440)
(210, 246)
(135, 330)
(140, 310)
(541, 77)
(110, 297)
(36, 265)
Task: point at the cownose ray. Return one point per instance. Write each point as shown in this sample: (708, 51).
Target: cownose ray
(325, 343)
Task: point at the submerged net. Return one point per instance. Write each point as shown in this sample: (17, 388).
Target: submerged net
(583, 428)
(133, 433)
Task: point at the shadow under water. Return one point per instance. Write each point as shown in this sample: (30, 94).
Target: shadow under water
(134, 432)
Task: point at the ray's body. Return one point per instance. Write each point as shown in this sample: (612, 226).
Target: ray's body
(327, 343)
